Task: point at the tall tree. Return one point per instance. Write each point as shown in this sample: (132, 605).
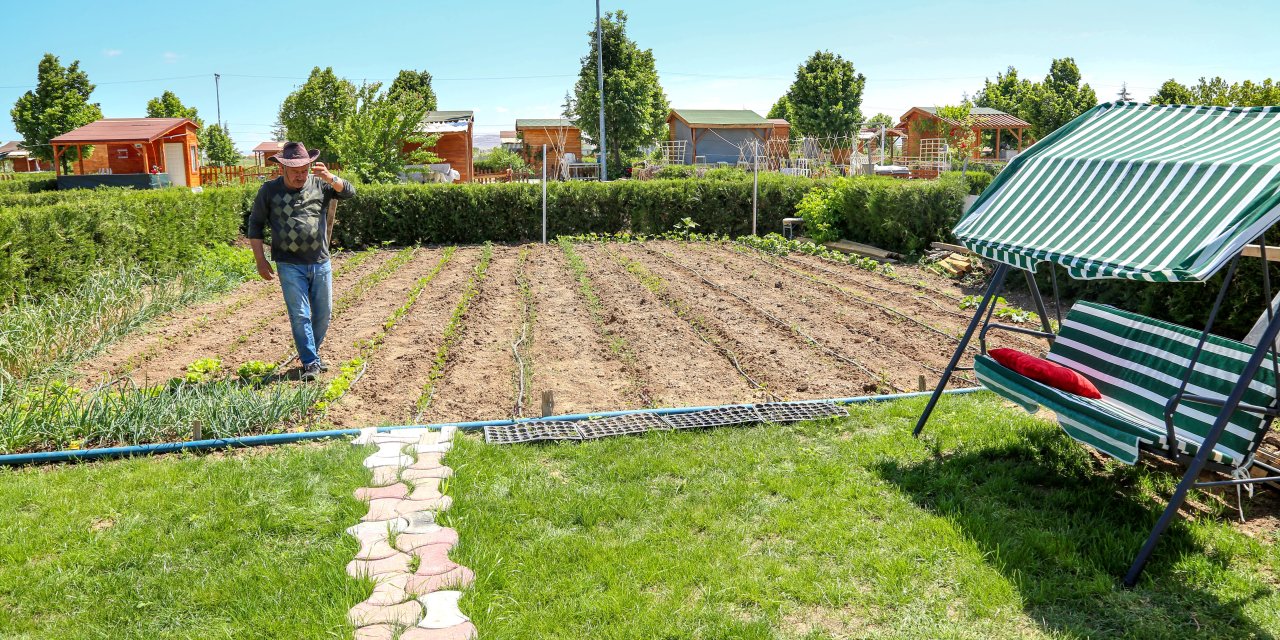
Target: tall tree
(1173, 92)
(1215, 91)
(882, 119)
(1008, 93)
(167, 105)
(418, 82)
(826, 97)
(1059, 99)
(313, 112)
(59, 103)
(370, 141)
(218, 147)
(635, 110)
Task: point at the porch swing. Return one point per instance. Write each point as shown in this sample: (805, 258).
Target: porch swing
(1156, 194)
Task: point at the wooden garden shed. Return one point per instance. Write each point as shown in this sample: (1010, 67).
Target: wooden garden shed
(560, 136)
(126, 150)
(717, 135)
(17, 158)
(455, 146)
(921, 123)
(265, 150)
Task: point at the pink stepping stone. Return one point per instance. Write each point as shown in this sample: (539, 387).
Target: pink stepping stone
(442, 535)
(383, 476)
(458, 578)
(426, 489)
(398, 563)
(427, 461)
(375, 549)
(403, 614)
(416, 475)
(376, 632)
(383, 509)
(405, 507)
(464, 631)
(397, 490)
(390, 589)
(433, 559)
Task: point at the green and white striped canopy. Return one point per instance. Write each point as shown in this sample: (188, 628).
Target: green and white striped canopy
(1136, 191)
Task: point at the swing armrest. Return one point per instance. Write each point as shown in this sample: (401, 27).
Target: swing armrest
(1016, 329)
(1251, 408)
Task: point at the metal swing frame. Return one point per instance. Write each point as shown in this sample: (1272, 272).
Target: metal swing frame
(1194, 464)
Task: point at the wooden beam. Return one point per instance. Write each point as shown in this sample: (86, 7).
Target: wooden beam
(80, 157)
(995, 146)
(1255, 251)
(1019, 130)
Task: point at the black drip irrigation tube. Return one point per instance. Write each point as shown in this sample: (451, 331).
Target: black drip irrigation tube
(74, 455)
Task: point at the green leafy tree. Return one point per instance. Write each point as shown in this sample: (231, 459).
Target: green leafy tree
(218, 147)
(59, 103)
(782, 109)
(313, 112)
(1215, 91)
(1059, 99)
(1009, 93)
(826, 97)
(418, 82)
(635, 109)
(370, 141)
(167, 105)
(882, 119)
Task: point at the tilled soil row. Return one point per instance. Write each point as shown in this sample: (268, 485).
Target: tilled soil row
(782, 363)
(676, 365)
(570, 357)
(479, 381)
(218, 328)
(393, 379)
(844, 321)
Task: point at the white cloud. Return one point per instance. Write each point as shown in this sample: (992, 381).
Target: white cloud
(170, 57)
(111, 53)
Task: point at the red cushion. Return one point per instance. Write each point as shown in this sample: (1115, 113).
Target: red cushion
(1050, 373)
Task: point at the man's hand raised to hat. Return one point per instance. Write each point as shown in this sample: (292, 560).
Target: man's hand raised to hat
(322, 172)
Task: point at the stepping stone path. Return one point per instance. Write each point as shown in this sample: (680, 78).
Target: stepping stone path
(400, 533)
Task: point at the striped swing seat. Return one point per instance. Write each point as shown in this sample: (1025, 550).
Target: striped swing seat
(1138, 364)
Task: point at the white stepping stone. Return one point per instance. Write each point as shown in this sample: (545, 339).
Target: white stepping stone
(382, 528)
(366, 436)
(388, 455)
(441, 610)
(420, 522)
(403, 436)
(446, 433)
(439, 447)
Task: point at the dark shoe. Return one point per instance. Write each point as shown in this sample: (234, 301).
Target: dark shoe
(324, 366)
(310, 372)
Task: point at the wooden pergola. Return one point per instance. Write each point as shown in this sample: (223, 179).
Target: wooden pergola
(984, 119)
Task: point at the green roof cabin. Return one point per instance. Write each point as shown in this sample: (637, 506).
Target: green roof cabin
(711, 136)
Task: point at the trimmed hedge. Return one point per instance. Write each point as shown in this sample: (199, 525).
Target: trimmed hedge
(899, 215)
(29, 182)
(51, 247)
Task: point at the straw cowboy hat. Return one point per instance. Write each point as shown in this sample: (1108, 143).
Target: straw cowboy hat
(294, 154)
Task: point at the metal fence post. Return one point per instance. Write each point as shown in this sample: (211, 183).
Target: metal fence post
(755, 190)
(544, 194)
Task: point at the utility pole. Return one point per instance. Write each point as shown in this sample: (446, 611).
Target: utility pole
(1124, 92)
(217, 90)
(604, 173)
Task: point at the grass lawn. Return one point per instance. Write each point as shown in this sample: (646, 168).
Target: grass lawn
(242, 545)
(993, 525)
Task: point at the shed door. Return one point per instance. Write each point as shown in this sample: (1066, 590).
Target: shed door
(175, 162)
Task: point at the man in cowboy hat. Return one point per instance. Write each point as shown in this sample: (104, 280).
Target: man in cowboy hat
(294, 206)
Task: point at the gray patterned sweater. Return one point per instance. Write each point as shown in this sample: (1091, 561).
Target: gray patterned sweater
(297, 219)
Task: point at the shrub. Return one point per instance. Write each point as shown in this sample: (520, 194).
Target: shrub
(29, 182)
(55, 244)
(498, 159)
(976, 181)
(821, 213)
(899, 215)
(676, 171)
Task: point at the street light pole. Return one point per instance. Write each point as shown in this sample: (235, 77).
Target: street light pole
(217, 90)
(604, 173)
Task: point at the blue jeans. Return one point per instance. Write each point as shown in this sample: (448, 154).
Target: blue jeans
(308, 293)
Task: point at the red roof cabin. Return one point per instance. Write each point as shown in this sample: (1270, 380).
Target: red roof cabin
(455, 146)
(265, 150)
(14, 157)
(1006, 130)
(126, 151)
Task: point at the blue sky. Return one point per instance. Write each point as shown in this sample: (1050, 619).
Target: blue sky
(710, 54)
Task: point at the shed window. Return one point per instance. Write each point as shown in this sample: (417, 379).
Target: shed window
(122, 153)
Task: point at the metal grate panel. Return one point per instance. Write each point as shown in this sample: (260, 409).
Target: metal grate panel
(531, 432)
(718, 417)
(621, 425)
(798, 411)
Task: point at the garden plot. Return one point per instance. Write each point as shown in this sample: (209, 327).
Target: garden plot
(472, 333)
